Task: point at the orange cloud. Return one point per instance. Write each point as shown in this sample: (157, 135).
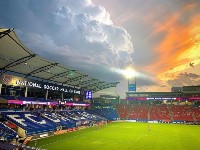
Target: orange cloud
(179, 47)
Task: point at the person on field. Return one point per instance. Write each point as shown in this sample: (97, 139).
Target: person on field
(149, 128)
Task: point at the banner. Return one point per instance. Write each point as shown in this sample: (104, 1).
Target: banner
(25, 82)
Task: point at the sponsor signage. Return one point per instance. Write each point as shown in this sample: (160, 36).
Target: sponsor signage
(76, 104)
(132, 87)
(163, 98)
(18, 102)
(20, 81)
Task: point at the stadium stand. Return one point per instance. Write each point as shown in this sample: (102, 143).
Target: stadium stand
(8, 97)
(51, 116)
(196, 113)
(107, 111)
(6, 133)
(35, 123)
(123, 110)
(181, 113)
(160, 112)
(139, 112)
(57, 119)
(31, 123)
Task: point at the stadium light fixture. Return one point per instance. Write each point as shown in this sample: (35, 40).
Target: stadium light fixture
(129, 73)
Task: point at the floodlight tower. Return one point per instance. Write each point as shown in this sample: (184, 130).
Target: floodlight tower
(130, 74)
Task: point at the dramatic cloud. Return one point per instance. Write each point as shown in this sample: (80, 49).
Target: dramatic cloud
(179, 44)
(167, 37)
(95, 37)
(76, 33)
(184, 79)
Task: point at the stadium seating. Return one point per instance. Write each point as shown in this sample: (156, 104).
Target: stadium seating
(6, 133)
(139, 112)
(82, 115)
(35, 123)
(8, 97)
(59, 120)
(181, 113)
(31, 123)
(107, 111)
(196, 113)
(160, 112)
(40, 121)
(123, 110)
(42, 99)
(26, 98)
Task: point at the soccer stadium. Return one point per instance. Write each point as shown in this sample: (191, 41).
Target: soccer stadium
(45, 105)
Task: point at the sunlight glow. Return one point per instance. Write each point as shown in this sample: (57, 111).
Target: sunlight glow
(128, 72)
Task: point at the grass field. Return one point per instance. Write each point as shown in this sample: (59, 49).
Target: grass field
(126, 136)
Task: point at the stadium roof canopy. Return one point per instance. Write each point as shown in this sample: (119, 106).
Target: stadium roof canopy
(18, 59)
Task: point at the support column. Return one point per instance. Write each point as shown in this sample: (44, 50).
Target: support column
(0, 88)
(46, 94)
(26, 91)
(62, 96)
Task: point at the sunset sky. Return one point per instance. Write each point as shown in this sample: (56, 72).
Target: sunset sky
(159, 39)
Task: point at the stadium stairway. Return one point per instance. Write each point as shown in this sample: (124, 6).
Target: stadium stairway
(193, 116)
(196, 113)
(170, 113)
(148, 113)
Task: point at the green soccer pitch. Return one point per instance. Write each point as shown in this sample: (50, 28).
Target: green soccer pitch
(126, 136)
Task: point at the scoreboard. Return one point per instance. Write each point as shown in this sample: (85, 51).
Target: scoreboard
(88, 95)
